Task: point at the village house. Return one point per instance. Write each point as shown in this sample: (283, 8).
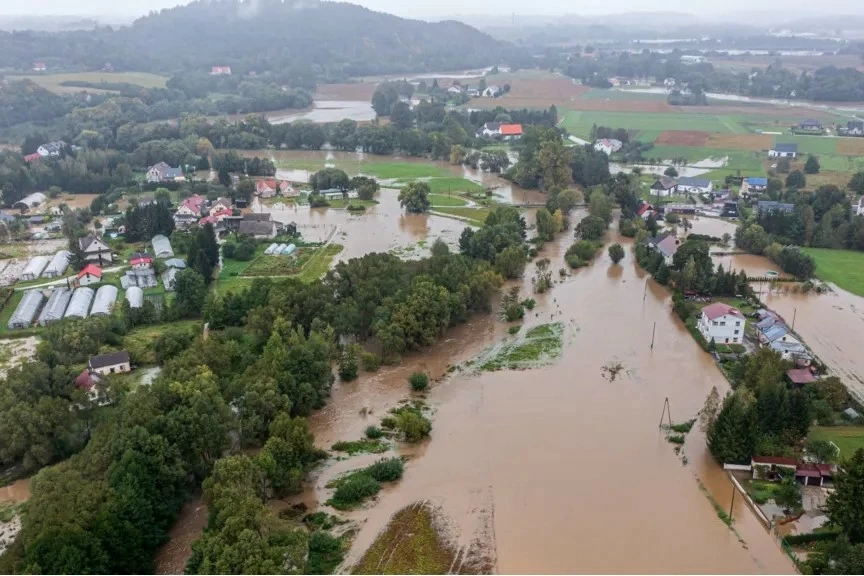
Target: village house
(608, 145)
(110, 363)
(39, 66)
(257, 229)
(270, 187)
(220, 205)
(645, 210)
(783, 150)
(220, 71)
(810, 125)
(772, 467)
(189, 210)
(669, 82)
(162, 172)
(140, 260)
(52, 149)
(859, 207)
(90, 274)
(491, 129)
(689, 185)
(455, 89)
(730, 209)
(90, 383)
(854, 128)
(664, 186)
(721, 323)
(95, 249)
(753, 185)
(471, 91)
(511, 131)
(666, 244)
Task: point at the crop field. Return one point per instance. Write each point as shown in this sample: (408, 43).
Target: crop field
(54, 82)
(755, 142)
(346, 91)
(624, 95)
(850, 146)
(682, 138)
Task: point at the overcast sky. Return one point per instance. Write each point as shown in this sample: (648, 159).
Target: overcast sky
(440, 8)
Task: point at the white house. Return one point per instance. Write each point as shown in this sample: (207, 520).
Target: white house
(608, 145)
(664, 186)
(688, 185)
(666, 245)
(455, 89)
(189, 210)
(51, 148)
(90, 274)
(162, 172)
(95, 250)
(669, 82)
(492, 91)
(859, 208)
(753, 185)
(220, 71)
(220, 205)
(781, 150)
(721, 323)
(110, 363)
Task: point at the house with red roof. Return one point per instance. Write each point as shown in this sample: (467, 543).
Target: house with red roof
(140, 260)
(220, 71)
(189, 211)
(32, 157)
(90, 274)
(721, 323)
(511, 131)
(215, 217)
(270, 187)
(39, 66)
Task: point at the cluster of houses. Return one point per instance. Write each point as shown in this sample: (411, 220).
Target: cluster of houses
(98, 367)
(220, 213)
(667, 186)
(270, 188)
(501, 131)
(852, 128)
(773, 333)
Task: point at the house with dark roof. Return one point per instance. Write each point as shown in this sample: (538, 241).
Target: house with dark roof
(666, 244)
(783, 150)
(664, 186)
(722, 323)
(491, 129)
(810, 125)
(260, 229)
(162, 172)
(768, 206)
(95, 249)
(687, 185)
(854, 128)
(110, 363)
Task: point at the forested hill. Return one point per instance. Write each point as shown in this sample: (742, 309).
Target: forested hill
(328, 39)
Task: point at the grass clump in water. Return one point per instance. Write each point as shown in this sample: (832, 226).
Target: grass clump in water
(409, 421)
(326, 552)
(539, 345)
(683, 427)
(419, 381)
(373, 432)
(373, 446)
(359, 485)
(676, 438)
(409, 545)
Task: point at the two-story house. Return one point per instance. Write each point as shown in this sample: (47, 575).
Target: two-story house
(721, 323)
(162, 172)
(189, 211)
(95, 249)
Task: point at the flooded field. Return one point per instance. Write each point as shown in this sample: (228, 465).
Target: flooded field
(325, 111)
(559, 469)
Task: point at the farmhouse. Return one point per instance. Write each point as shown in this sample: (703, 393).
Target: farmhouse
(455, 89)
(608, 145)
(220, 205)
(694, 185)
(220, 71)
(855, 128)
(189, 210)
(162, 172)
(754, 185)
(259, 229)
(492, 91)
(666, 245)
(51, 148)
(110, 363)
(95, 250)
(664, 186)
(721, 323)
(783, 150)
(511, 131)
(270, 187)
(810, 125)
(90, 274)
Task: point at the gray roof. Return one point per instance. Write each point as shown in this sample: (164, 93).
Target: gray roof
(80, 303)
(775, 332)
(786, 147)
(851, 413)
(668, 246)
(772, 206)
(86, 241)
(26, 310)
(109, 359)
(34, 268)
(175, 263)
(697, 182)
(54, 147)
(56, 306)
(162, 247)
(36, 198)
(492, 126)
(104, 299)
(58, 264)
(664, 183)
(168, 278)
(257, 228)
(256, 217)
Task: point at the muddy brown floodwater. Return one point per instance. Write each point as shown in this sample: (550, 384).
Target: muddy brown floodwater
(557, 468)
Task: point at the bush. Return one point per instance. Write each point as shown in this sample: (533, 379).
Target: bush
(370, 362)
(348, 367)
(325, 553)
(386, 470)
(356, 208)
(513, 329)
(389, 423)
(616, 253)
(419, 381)
(529, 303)
(411, 423)
(373, 432)
(354, 489)
(581, 252)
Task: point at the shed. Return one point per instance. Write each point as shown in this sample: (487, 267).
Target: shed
(58, 264)
(135, 297)
(104, 299)
(168, 278)
(34, 268)
(30, 201)
(56, 306)
(79, 305)
(800, 376)
(26, 310)
(175, 263)
(162, 247)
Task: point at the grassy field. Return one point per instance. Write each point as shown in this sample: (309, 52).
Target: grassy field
(340, 203)
(604, 94)
(445, 200)
(140, 340)
(845, 268)
(446, 184)
(810, 144)
(580, 122)
(54, 82)
(835, 163)
(847, 438)
(475, 216)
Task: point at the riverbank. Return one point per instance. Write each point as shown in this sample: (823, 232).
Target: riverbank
(845, 268)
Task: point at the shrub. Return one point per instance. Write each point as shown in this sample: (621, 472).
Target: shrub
(419, 381)
(354, 489)
(386, 469)
(676, 439)
(356, 208)
(389, 423)
(529, 303)
(348, 367)
(616, 253)
(373, 432)
(581, 252)
(513, 329)
(412, 424)
(532, 253)
(370, 362)
(325, 553)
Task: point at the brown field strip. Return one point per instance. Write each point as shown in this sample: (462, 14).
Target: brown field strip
(754, 142)
(682, 138)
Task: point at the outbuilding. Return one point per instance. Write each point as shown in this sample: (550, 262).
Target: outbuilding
(34, 268)
(79, 305)
(26, 310)
(110, 363)
(135, 297)
(104, 300)
(58, 265)
(56, 306)
(162, 247)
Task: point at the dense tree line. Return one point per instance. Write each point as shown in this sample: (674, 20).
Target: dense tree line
(144, 222)
(545, 162)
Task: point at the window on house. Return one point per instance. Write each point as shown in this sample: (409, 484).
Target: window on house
(736, 331)
(734, 339)
(737, 323)
(727, 340)
(715, 323)
(722, 323)
(112, 370)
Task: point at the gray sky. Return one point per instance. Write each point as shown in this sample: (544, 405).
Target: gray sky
(444, 7)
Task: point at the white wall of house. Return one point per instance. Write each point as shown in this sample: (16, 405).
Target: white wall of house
(662, 193)
(88, 279)
(695, 189)
(726, 329)
(113, 369)
(776, 154)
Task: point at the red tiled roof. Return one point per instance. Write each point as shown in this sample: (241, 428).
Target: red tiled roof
(193, 203)
(141, 260)
(511, 129)
(774, 460)
(643, 208)
(826, 469)
(718, 309)
(808, 470)
(91, 269)
(800, 376)
(32, 157)
(84, 380)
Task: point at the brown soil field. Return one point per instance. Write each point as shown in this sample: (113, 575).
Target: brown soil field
(754, 142)
(572, 103)
(682, 138)
(839, 179)
(850, 146)
(348, 91)
(796, 63)
(73, 200)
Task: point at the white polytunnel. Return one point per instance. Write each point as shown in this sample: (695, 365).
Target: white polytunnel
(104, 300)
(56, 306)
(79, 305)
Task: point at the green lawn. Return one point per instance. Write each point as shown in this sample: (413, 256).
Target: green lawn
(847, 438)
(446, 185)
(580, 122)
(612, 94)
(838, 163)
(340, 203)
(398, 169)
(444, 200)
(476, 216)
(845, 268)
(54, 82)
(810, 144)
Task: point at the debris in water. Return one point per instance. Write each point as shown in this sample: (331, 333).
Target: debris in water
(611, 370)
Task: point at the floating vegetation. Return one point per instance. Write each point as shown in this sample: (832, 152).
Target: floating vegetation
(372, 446)
(539, 346)
(611, 370)
(358, 485)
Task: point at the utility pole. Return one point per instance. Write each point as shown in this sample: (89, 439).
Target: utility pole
(645, 292)
(794, 314)
(667, 411)
(733, 501)
(653, 331)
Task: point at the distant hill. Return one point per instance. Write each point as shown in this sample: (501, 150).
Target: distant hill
(326, 39)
